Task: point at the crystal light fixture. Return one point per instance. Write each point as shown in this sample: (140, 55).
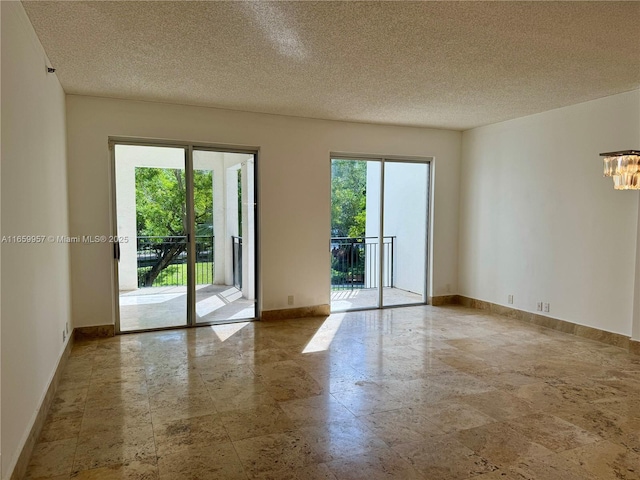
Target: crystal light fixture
(624, 167)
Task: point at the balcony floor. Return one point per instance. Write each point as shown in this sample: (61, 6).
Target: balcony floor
(349, 299)
(158, 307)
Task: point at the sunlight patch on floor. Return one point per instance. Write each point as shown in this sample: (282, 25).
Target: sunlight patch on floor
(227, 331)
(325, 335)
(208, 305)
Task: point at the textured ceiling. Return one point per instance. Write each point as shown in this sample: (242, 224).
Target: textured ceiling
(440, 64)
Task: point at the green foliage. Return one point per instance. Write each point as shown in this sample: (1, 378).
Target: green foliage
(348, 198)
(161, 197)
(176, 274)
(161, 212)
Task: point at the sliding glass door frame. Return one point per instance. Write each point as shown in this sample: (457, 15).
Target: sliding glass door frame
(383, 160)
(188, 148)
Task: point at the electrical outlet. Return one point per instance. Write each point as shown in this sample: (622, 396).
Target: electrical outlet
(64, 336)
(539, 307)
(546, 307)
(290, 300)
(66, 327)
(510, 299)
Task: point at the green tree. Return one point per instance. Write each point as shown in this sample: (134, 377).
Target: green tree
(348, 198)
(161, 212)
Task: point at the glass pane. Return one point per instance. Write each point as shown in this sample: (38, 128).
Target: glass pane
(355, 226)
(224, 222)
(406, 193)
(151, 213)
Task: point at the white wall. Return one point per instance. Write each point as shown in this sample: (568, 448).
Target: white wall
(406, 200)
(35, 278)
(294, 190)
(406, 194)
(539, 221)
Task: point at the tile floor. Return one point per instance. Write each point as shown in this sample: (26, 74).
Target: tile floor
(414, 393)
(158, 307)
(348, 299)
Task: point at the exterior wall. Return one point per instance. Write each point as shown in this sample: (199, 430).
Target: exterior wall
(539, 221)
(35, 277)
(294, 190)
(406, 206)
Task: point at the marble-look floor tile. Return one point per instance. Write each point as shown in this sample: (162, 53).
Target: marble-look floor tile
(169, 405)
(450, 416)
(444, 458)
(61, 427)
(551, 467)
(109, 360)
(132, 471)
(500, 444)
(606, 461)
(107, 418)
(315, 411)
(202, 463)
(415, 393)
(404, 425)
(375, 464)
(552, 432)
(627, 434)
(500, 475)
(459, 383)
(367, 397)
(316, 471)
(174, 381)
(51, 459)
(177, 435)
(124, 373)
(288, 381)
(252, 422)
(241, 394)
(505, 379)
(498, 404)
(341, 439)
(375, 400)
(112, 394)
(114, 447)
(599, 421)
(68, 402)
(228, 376)
(583, 389)
(271, 456)
(542, 396)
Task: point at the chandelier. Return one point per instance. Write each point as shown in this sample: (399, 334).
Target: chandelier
(624, 167)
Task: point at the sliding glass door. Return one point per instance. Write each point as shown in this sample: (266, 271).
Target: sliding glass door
(180, 212)
(379, 231)
(225, 266)
(406, 194)
(151, 205)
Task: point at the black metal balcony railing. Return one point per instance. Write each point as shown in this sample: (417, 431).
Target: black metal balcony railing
(355, 262)
(237, 261)
(168, 256)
